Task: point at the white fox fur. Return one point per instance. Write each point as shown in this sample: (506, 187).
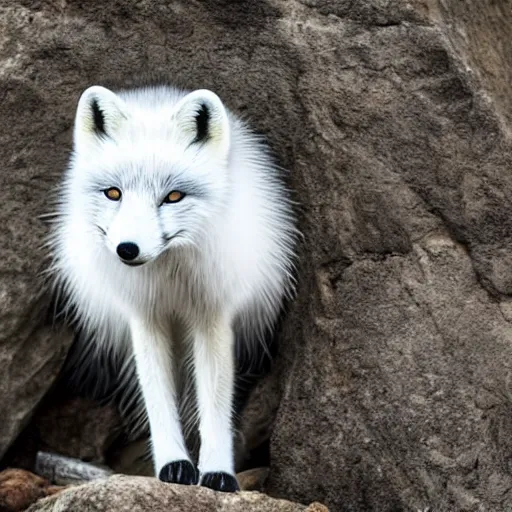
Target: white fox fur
(216, 263)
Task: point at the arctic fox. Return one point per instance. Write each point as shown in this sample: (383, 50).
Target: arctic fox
(173, 228)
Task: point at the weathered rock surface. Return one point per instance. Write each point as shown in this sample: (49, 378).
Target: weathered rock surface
(394, 118)
(74, 427)
(30, 353)
(20, 488)
(89, 428)
(119, 493)
(397, 395)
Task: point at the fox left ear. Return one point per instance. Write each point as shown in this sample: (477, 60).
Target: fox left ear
(200, 118)
(100, 114)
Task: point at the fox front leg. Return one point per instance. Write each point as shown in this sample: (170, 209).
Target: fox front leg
(214, 370)
(153, 359)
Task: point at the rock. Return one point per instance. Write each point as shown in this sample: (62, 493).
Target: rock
(133, 458)
(395, 364)
(74, 427)
(394, 119)
(259, 414)
(119, 493)
(89, 428)
(253, 479)
(31, 354)
(20, 488)
(317, 507)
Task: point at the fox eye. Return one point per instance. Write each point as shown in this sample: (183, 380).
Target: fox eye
(113, 193)
(174, 196)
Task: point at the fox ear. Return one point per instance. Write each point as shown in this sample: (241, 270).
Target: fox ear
(99, 115)
(200, 118)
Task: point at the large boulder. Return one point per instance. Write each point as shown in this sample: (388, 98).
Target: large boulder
(394, 119)
(31, 353)
(397, 391)
(120, 493)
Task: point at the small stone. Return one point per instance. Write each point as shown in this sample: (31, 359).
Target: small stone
(20, 488)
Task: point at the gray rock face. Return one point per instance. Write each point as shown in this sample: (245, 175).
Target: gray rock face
(30, 355)
(394, 119)
(397, 394)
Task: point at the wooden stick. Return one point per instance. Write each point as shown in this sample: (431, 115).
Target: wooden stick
(62, 470)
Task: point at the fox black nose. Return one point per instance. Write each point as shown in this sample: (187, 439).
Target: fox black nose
(128, 251)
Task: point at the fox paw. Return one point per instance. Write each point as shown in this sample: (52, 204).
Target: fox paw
(179, 472)
(220, 482)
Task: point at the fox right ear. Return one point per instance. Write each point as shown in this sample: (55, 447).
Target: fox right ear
(200, 117)
(99, 115)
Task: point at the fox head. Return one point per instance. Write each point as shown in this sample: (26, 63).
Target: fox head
(149, 175)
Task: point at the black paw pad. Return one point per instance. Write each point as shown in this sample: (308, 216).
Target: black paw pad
(179, 472)
(220, 482)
